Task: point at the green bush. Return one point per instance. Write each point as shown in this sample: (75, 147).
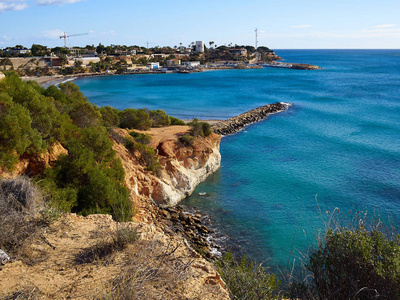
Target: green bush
(92, 171)
(89, 179)
(246, 280)
(357, 264)
(176, 121)
(110, 116)
(143, 138)
(158, 118)
(199, 128)
(147, 156)
(187, 139)
(135, 119)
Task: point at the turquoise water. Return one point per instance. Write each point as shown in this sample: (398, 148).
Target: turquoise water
(338, 146)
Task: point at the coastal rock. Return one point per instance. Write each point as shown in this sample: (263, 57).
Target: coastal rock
(182, 168)
(305, 67)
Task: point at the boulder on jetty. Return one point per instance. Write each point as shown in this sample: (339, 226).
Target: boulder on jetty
(237, 123)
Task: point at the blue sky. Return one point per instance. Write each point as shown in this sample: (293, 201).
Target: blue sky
(282, 24)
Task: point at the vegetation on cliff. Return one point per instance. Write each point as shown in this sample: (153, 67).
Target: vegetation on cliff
(89, 178)
(357, 263)
(197, 129)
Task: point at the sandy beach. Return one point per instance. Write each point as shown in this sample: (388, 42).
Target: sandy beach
(46, 81)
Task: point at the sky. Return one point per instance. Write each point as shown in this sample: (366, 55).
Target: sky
(281, 24)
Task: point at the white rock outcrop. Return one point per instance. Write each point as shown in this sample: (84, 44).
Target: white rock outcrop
(183, 175)
(182, 169)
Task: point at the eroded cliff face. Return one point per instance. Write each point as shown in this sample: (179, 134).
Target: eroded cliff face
(32, 165)
(182, 167)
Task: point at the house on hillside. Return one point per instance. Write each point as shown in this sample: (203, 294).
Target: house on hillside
(191, 64)
(153, 65)
(16, 51)
(160, 55)
(86, 60)
(125, 52)
(173, 62)
(238, 52)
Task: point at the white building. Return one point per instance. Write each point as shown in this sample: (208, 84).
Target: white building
(86, 60)
(191, 64)
(199, 46)
(153, 65)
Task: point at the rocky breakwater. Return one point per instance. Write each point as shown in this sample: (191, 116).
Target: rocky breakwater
(237, 123)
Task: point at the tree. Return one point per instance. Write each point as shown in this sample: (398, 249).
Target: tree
(100, 49)
(38, 50)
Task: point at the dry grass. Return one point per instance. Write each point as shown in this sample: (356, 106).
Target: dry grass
(20, 219)
(112, 242)
(26, 292)
(151, 271)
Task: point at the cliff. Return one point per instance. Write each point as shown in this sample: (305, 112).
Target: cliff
(182, 167)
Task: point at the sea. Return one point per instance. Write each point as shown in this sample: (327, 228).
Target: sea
(334, 154)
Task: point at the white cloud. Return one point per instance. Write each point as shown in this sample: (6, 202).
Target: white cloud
(301, 26)
(12, 5)
(385, 26)
(56, 2)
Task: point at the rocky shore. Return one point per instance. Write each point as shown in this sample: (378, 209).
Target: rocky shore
(191, 226)
(237, 123)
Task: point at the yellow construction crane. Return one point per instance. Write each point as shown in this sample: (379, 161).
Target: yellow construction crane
(65, 36)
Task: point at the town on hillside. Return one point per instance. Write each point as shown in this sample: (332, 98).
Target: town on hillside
(116, 59)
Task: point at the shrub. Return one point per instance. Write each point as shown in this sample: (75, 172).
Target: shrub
(158, 118)
(110, 116)
(199, 128)
(187, 139)
(20, 220)
(147, 156)
(357, 264)
(142, 138)
(90, 178)
(135, 119)
(246, 280)
(153, 270)
(176, 121)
